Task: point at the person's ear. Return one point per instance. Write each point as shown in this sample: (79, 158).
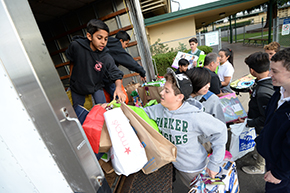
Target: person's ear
(89, 36)
(180, 97)
(252, 71)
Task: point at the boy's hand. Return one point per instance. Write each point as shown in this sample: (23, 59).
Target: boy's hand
(143, 79)
(240, 120)
(104, 105)
(268, 177)
(211, 173)
(118, 92)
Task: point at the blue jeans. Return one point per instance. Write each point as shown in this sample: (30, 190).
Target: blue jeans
(109, 87)
(99, 97)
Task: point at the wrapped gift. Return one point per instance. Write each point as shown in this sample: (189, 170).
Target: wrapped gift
(226, 180)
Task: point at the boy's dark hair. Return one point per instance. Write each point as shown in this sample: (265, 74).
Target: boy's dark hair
(192, 40)
(284, 56)
(95, 25)
(209, 58)
(229, 52)
(199, 78)
(183, 62)
(122, 35)
(258, 61)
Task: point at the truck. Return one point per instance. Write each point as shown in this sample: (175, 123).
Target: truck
(43, 146)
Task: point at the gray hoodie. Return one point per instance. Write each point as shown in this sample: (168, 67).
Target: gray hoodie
(212, 106)
(182, 128)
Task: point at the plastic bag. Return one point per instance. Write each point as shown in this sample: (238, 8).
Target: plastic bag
(127, 153)
(242, 141)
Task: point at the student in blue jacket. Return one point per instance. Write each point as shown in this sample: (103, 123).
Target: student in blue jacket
(273, 143)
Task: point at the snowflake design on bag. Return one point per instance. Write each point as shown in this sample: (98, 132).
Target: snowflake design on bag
(127, 150)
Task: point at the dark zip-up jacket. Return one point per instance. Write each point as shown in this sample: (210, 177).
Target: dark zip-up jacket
(261, 94)
(90, 67)
(121, 57)
(273, 143)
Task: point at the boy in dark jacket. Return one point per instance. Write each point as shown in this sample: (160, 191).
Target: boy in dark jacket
(261, 93)
(91, 64)
(117, 50)
(273, 143)
(121, 57)
(182, 66)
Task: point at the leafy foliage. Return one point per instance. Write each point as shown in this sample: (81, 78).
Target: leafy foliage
(206, 49)
(165, 60)
(159, 48)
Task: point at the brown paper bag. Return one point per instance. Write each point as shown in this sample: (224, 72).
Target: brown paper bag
(130, 88)
(159, 150)
(105, 141)
(153, 93)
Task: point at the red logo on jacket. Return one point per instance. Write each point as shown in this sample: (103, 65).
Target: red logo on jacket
(98, 66)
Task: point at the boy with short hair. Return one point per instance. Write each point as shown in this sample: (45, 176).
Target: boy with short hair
(273, 143)
(260, 95)
(182, 66)
(193, 43)
(272, 48)
(182, 123)
(117, 50)
(91, 63)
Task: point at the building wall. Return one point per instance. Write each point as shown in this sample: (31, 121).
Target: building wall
(172, 33)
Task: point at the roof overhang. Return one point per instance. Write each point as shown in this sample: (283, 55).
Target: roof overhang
(207, 13)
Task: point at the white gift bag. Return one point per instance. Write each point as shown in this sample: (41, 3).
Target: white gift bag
(242, 141)
(127, 153)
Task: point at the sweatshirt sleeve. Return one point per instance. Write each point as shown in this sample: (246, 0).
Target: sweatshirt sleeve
(281, 170)
(113, 72)
(259, 121)
(218, 135)
(120, 56)
(150, 111)
(70, 51)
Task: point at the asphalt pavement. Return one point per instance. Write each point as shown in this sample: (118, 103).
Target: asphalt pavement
(248, 183)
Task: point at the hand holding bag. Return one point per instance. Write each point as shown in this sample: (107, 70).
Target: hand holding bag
(127, 153)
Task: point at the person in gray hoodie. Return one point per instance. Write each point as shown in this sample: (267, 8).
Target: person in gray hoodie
(182, 123)
(200, 79)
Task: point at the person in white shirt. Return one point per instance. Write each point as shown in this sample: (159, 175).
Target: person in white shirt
(226, 69)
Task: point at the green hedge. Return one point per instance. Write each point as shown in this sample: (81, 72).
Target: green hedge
(163, 61)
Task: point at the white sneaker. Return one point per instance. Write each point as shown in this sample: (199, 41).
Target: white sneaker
(255, 156)
(253, 170)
